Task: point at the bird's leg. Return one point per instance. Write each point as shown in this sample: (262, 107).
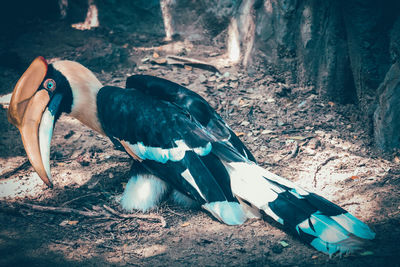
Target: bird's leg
(143, 191)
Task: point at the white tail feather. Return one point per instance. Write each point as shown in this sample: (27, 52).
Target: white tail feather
(329, 234)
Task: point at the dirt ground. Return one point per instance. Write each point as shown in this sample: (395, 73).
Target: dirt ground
(320, 145)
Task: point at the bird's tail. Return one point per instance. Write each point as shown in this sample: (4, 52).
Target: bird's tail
(317, 221)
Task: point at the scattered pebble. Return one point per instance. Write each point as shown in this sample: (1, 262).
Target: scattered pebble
(202, 78)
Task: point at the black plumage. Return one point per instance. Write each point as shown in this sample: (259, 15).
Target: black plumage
(193, 103)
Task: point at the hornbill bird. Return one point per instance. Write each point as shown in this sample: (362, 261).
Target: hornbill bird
(180, 147)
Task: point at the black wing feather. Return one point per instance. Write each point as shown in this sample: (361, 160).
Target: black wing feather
(193, 103)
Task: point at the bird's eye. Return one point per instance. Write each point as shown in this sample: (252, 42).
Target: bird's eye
(49, 85)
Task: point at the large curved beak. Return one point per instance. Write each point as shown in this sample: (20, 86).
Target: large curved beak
(27, 107)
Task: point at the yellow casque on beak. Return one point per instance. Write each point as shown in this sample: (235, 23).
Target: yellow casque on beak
(25, 112)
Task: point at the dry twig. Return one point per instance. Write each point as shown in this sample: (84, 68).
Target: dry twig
(22, 166)
(64, 210)
(135, 215)
(185, 61)
(80, 197)
(107, 213)
(320, 166)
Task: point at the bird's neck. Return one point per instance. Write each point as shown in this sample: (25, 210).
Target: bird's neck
(84, 86)
(84, 106)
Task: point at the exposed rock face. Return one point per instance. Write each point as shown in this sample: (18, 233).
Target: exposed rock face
(342, 48)
(387, 114)
(305, 42)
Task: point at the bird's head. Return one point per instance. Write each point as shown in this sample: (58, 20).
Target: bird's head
(42, 93)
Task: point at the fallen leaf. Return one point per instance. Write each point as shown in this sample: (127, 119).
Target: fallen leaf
(125, 45)
(396, 159)
(239, 134)
(330, 103)
(160, 61)
(355, 177)
(266, 132)
(355, 137)
(63, 223)
(314, 257)
(68, 222)
(187, 67)
(185, 224)
(284, 244)
(300, 138)
(156, 55)
(367, 253)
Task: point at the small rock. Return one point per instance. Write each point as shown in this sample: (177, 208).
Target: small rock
(314, 143)
(160, 61)
(221, 85)
(69, 134)
(202, 78)
(185, 81)
(143, 68)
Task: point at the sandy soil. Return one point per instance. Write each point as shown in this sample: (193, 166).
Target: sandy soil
(320, 145)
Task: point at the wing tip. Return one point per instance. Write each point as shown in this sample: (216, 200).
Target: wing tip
(354, 226)
(347, 246)
(231, 213)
